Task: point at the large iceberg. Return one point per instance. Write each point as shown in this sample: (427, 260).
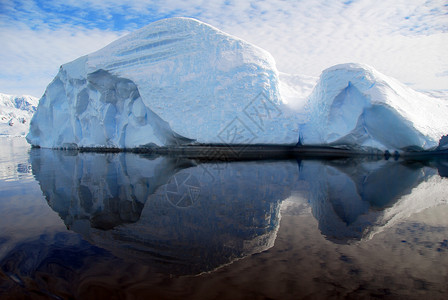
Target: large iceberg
(180, 81)
(172, 82)
(353, 104)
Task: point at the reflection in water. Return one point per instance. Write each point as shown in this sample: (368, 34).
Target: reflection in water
(105, 189)
(347, 196)
(136, 220)
(190, 218)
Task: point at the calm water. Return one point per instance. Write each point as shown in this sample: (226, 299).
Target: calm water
(128, 226)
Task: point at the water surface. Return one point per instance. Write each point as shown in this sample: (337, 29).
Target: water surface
(123, 225)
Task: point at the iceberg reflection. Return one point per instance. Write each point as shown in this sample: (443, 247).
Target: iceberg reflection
(352, 199)
(190, 218)
(187, 217)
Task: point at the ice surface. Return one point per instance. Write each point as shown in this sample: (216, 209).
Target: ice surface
(356, 105)
(16, 113)
(174, 81)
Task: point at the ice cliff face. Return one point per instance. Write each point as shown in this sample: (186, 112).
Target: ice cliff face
(16, 113)
(174, 81)
(102, 110)
(356, 105)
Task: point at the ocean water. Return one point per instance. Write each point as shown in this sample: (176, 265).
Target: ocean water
(132, 226)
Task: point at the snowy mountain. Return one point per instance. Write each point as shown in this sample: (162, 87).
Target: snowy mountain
(16, 113)
(174, 81)
(180, 81)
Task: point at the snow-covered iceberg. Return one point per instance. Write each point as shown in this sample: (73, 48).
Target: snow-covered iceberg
(353, 104)
(179, 81)
(172, 82)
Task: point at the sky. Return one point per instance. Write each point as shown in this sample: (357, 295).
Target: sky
(405, 39)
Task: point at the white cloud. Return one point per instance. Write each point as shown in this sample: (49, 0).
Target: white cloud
(31, 58)
(407, 39)
(309, 36)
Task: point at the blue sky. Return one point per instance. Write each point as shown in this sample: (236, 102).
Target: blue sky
(406, 39)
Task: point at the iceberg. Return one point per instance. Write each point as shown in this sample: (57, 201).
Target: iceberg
(353, 104)
(180, 81)
(172, 82)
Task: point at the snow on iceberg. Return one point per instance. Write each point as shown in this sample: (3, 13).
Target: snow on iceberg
(171, 82)
(353, 104)
(16, 113)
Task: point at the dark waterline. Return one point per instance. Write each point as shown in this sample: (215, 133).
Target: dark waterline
(104, 225)
(244, 152)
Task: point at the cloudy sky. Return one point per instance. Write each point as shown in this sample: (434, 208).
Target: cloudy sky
(406, 39)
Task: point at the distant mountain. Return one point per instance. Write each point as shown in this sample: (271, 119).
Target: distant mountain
(16, 113)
